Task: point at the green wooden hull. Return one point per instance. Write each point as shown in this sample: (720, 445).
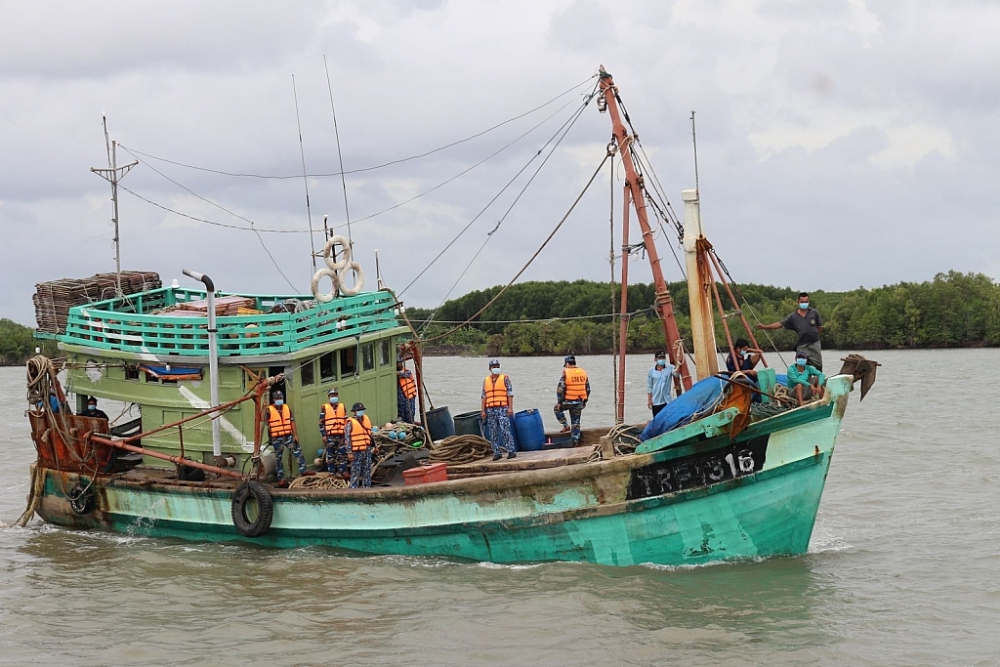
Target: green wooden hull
(618, 512)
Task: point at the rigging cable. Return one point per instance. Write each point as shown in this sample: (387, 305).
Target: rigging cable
(533, 257)
(378, 166)
(567, 125)
(304, 231)
(510, 208)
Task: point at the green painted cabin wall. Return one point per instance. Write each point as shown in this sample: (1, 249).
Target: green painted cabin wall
(162, 404)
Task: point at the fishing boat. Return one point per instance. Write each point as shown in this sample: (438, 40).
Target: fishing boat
(733, 479)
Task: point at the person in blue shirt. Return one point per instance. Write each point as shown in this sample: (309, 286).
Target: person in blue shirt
(658, 382)
(804, 381)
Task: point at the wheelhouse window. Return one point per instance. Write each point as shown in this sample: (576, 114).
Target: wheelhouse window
(348, 361)
(328, 367)
(308, 373)
(368, 356)
(384, 352)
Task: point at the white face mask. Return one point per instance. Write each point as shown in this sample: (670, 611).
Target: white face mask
(334, 400)
(495, 370)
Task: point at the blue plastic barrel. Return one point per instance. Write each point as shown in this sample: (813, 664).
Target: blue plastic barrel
(467, 423)
(439, 423)
(530, 430)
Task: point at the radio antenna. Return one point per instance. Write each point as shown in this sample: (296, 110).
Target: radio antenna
(305, 175)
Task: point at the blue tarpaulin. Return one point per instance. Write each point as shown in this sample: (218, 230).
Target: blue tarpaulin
(679, 411)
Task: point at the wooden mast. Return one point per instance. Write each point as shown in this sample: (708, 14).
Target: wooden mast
(664, 302)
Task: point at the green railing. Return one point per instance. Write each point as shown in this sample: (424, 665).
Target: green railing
(129, 325)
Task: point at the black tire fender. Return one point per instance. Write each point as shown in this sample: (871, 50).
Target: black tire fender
(82, 499)
(252, 495)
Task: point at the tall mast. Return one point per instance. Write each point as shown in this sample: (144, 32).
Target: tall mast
(112, 175)
(664, 302)
(701, 283)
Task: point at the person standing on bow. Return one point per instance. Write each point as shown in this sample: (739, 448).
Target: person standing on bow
(572, 393)
(281, 429)
(658, 381)
(497, 410)
(406, 393)
(332, 419)
(358, 432)
(807, 323)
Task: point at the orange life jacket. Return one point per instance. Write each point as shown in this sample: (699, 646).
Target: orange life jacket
(334, 418)
(408, 385)
(576, 384)
(279, 423)
(361, 433)
(496, 391)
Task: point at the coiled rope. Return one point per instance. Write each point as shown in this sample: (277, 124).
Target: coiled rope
(460, 449)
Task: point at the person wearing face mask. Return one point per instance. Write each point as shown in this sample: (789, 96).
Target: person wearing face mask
(406, 393)
(497, 410)
(807, 323)
(92, 410)
(281, 430)
(358, 432)
(658, 382)
(332, 419)
(572, 394)
(748, 358)
(805, 381)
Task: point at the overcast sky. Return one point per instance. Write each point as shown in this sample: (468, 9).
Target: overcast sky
(841, 143)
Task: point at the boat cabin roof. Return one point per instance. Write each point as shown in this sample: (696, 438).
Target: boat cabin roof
(174, 321)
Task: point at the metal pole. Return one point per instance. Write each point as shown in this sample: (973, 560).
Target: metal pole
(664, 302)
(213, 357)
(623, 310)
(305, 175)
(114, 214)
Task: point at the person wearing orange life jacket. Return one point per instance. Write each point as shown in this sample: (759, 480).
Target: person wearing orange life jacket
(332, 419)
(497, 410)
(358, 433)
(281, 429)
(406, 393)
(572, 394)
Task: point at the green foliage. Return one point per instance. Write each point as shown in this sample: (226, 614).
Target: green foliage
(17, 343)
(954, 309)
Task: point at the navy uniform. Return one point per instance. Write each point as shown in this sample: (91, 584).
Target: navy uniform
(281, 429)
(406, 394)
(332, 420)
(572, 394)
(358, 432)
(497, 410)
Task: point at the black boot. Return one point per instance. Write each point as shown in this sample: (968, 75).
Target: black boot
(497, 457)
(511, 455)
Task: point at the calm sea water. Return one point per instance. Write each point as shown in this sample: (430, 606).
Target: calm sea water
(903, 568)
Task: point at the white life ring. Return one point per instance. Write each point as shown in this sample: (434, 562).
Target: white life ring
(359, 279)
(334, 278)
(329, 253)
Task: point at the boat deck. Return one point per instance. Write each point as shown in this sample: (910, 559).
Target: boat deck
(524, 461)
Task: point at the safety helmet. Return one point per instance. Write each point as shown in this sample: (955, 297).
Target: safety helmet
(332, 392)
(570, 360)
(494, 362)
(278, 394)
(358, 406)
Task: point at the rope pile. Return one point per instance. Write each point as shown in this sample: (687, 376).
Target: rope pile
(319, 482)
(459, 449)
(625, 438)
